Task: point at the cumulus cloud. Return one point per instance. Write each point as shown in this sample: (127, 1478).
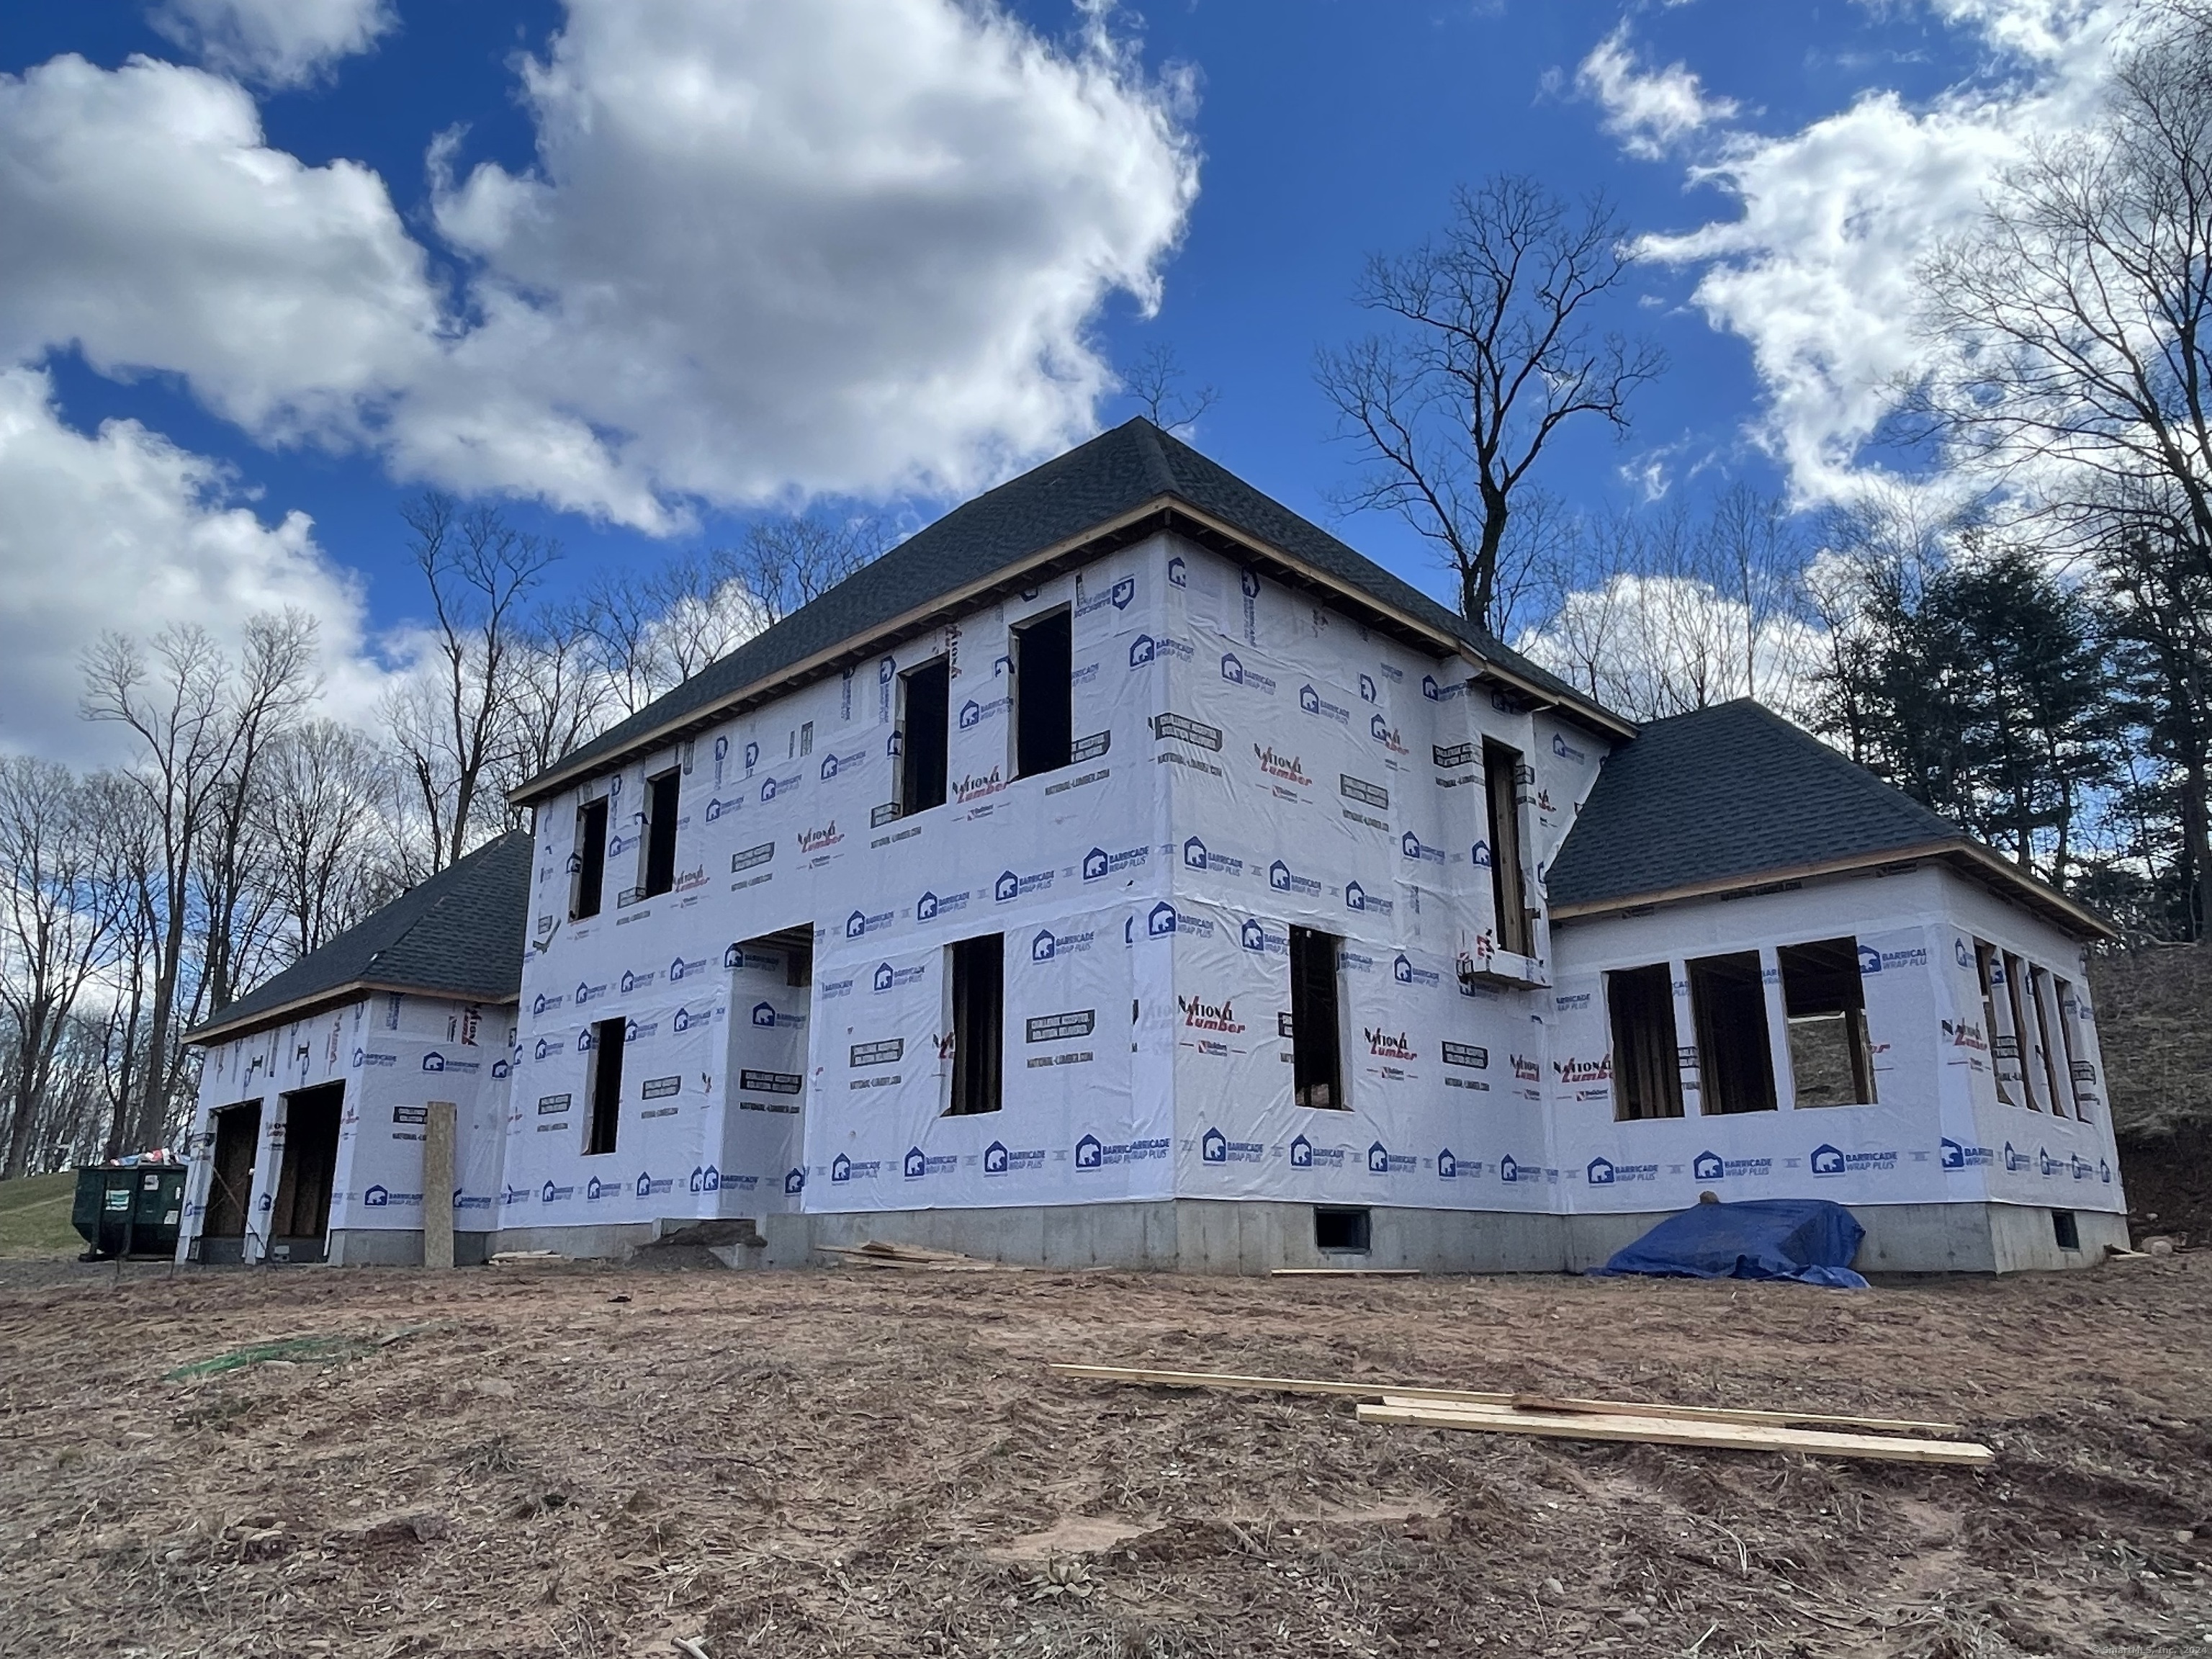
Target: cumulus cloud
(276, 43)
(1816, 273)
(765, 251)
(150, 224)
(837, 247)
(122, 530)
(1649, 110)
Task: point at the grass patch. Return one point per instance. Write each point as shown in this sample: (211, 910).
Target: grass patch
(290, 1350)
(35, 1217)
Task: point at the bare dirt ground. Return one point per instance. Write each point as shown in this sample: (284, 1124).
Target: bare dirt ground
(521, 1462)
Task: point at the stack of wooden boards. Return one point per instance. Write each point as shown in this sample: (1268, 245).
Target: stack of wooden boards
(1898, 1439)
(912, 1257)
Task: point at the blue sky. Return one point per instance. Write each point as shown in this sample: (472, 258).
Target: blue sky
(1798, 155)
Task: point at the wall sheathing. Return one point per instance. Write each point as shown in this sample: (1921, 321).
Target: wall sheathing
(1936, 1133)
(745, 1097)
(394, 1054)
(1325, 776)
(1248, 760)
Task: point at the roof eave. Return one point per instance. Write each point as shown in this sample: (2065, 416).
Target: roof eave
(2055, 905)
(220, 1028)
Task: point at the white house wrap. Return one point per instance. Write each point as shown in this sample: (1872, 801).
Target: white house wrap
(1124, 870)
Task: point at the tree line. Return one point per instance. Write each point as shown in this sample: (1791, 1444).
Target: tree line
(245, 829)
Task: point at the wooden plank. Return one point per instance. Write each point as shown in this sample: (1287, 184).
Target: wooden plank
(1475, 1396)
(1344, 1273)
(1676, 1431)
(438, 1184)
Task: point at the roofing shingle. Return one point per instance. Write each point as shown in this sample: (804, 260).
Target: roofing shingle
(1728, 792)
(1113, 474)
(458, 934)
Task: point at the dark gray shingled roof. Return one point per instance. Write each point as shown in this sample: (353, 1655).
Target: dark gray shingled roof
(1093, 484)
(1734, 794)
(458, 934)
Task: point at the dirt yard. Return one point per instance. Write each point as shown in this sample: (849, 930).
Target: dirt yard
(512, 1462)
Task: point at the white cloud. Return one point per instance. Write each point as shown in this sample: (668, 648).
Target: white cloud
(770, 250)
(123, 530)
(846, 246)
(279, 43)
(1817, 272)
(148, 224)
(1649, 110)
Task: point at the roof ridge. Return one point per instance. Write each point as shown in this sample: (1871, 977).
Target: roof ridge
(1159, 469)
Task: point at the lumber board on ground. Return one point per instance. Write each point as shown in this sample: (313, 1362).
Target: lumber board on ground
(1397, 1391)
(1344, 1273)
(912, 1260)
(1677, 1431)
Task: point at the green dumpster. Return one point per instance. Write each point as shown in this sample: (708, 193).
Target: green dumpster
(128, 1209)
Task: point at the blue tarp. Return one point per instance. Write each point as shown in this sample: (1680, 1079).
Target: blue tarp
(1807, 1239)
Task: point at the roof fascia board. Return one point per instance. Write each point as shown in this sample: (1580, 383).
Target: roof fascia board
(1986, 864)
(559, 777)
(218, 1030)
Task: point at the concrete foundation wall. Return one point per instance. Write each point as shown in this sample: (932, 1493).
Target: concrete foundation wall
(384, 1247)
(1212, 1236)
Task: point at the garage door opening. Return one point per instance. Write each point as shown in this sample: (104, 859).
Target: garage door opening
(230, 1185)
(300, 1220)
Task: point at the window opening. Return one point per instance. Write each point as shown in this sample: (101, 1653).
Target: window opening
(1342, 1229)
(2004, 1046)
(1728, 1004)
(1824, 1002)
(924, 695)
(1044, 693)
(1501, 773)
(661, 796)
(591, 858)
(607, 1086)
(2038, 993)
(1647, 1080)
(1316, 1052)
(2066, 1230)
(2077, 1072)
(2015, 976)
(978, 982)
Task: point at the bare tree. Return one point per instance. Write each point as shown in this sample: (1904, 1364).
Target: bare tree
(563, 694)
(792, 560)
(1663, 610)
(1492, 349)
(1154, 383)
(57, 926)
(192, 719)
(239, 904)
(318, 817)
(2076, 315)
(451, 723)
(654, 632)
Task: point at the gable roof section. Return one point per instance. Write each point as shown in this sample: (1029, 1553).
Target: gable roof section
(458, 934)
(1120, 485)
(1735, 796)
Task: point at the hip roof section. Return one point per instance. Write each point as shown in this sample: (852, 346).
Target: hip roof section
(1100, 490)
(1734, 795)
(459, 934)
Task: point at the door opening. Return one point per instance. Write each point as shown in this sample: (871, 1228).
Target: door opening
(299, 1222)
(237, 1135)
